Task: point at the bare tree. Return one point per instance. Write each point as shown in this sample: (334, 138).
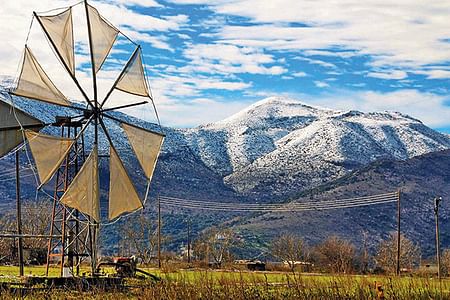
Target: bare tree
(445, 261)
(138, 237)
(7, 225)
(386, 256)
(336, 254)
(217, 244)
(364, 257)
(289, 248)
(36, 216)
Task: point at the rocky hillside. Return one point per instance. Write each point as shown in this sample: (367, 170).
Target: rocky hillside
(279, 146)
(275, 149)
(420, 179)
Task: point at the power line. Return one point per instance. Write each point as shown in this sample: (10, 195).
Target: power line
(275, 210)
(280, 207)
(276, 205)
(288, 207)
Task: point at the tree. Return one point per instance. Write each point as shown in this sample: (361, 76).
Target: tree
(386, 257)
(289, 248)
(7, 225)
(445, 261)
(138, 238)
(215, 243)
(36, 217)
(364, 257)
(336, 254)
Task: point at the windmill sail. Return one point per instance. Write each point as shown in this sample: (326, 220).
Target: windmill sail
(34, 83)
(10, 134)
(132, 79)
(60, 30)
(83, 193)
(103, 37)
(123, 197)
(146, 145)
(48, 153)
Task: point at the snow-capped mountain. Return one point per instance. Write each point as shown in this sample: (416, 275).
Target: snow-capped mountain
(279, 146)
(272, 149)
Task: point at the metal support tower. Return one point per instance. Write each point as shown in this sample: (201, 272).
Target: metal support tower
(70, 240)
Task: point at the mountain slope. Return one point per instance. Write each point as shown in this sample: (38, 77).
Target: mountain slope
(420, 179)
(278, 146)
(270, 151)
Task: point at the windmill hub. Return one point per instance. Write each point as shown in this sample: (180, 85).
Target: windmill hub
(92, 112)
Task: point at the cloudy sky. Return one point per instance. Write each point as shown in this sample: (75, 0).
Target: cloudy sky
(208, 59)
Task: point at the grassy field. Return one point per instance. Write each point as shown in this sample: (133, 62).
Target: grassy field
(217, 284)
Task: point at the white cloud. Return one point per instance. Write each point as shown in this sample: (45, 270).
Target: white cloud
(321, 84)
(395, 74)
(342, 54)
(228, 59)
(143, 3)
(397, 33)
(435, 74)
(317, 62)
(172, 87)
(195, 112)
(427, 107)
(159, 42)
(123, 16)
(299, 74)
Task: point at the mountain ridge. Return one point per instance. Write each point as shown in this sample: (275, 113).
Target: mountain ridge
(279, 146)
(270, 152)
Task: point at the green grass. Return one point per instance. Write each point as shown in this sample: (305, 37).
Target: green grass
(219, 284)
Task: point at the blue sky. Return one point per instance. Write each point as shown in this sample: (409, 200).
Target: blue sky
(208, 59)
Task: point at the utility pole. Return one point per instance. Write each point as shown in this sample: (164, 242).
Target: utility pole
(189, 240)
(437, 201)
(19, 216)
(159, 233)
(398, 233)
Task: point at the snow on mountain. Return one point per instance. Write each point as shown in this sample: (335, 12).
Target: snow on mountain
(278, 146)
(275, 147)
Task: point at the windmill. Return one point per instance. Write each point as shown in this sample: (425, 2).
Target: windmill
(61, 159)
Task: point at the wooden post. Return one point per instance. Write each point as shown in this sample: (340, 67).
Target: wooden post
(398, 233)
(159, 233)
(19, 216)
(189, 240)
(436, 218)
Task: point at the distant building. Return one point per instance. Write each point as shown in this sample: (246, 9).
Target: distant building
(252, 265)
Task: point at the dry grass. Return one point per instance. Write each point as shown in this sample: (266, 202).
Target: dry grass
(246, 285)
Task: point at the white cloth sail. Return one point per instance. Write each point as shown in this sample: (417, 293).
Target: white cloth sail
(146, 145)
(103, 37)
(48, 153)
(123, 197)
(10, 133)
(34, 83)
(83, 193)
(60, 30)
(132, 79)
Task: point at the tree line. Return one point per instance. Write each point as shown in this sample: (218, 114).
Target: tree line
(219, 246)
